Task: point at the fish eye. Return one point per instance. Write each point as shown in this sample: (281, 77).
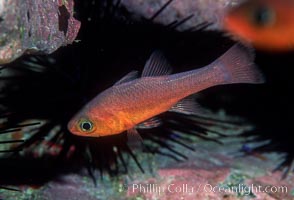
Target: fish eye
(86, 125)
(263, 15)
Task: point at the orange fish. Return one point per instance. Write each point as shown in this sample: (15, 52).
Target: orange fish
(134, 102)
(267, 24)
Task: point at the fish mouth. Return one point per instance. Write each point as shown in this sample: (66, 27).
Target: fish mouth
(71, 127)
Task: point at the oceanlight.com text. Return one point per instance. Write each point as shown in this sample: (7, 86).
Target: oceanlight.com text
(240, 189)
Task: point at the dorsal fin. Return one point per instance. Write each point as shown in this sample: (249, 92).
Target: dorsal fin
(156, 65)
(129, 77)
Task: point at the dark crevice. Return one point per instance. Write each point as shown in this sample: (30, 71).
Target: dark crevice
(63, 17)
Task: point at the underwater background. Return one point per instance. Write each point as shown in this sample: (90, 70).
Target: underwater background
(244, 136)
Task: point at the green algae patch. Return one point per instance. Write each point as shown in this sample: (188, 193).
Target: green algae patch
(235, 183)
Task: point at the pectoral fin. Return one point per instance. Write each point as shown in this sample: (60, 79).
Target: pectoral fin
(150, 123)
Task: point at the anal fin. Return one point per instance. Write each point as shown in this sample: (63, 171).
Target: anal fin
(188, 106)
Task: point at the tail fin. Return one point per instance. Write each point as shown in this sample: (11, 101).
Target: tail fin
(238, 65)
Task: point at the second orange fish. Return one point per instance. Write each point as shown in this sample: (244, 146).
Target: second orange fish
(266, 24)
